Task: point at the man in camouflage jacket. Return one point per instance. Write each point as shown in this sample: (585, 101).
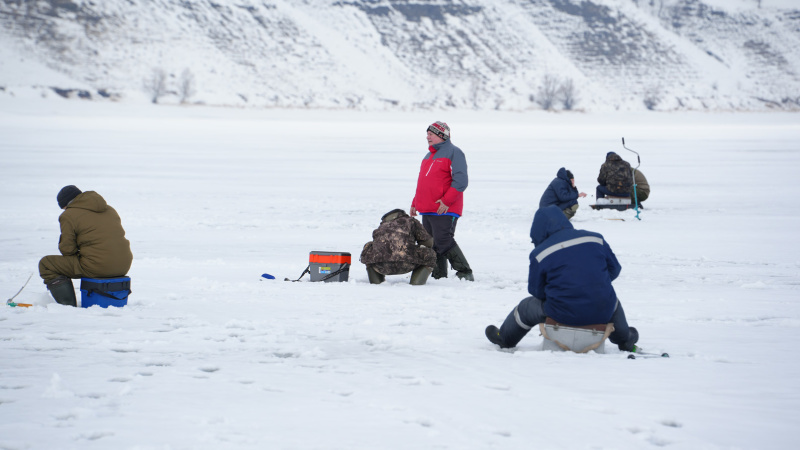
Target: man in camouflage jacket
(399, 245)
(616, 178)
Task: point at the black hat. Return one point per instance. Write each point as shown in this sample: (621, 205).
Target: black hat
(66, 195)
(393, 214)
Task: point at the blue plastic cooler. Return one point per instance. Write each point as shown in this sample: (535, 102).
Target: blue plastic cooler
(105, 292)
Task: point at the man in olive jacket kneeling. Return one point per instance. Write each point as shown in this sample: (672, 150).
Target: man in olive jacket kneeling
(92, 244)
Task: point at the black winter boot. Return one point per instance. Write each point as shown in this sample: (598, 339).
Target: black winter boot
(493, 334)
(374, 276)
(460, 264)
(62, 291)
(629, 345)
(440, 271)
(420, 275)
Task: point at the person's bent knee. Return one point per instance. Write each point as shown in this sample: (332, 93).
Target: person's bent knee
(531, 311)
(570, 212)
(46, 272)
(54, 266)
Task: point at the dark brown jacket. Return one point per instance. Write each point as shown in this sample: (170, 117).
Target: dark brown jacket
(93, 231)
(394, 247)
(615, 174)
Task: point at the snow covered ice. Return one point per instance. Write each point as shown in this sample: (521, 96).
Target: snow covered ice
(208, 354)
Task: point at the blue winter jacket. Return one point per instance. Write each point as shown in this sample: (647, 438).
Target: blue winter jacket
(571, 270)
(560, 192)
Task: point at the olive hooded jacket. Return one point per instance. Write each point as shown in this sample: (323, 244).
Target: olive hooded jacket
(92, 230)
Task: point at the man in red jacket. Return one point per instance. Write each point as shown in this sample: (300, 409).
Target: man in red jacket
(440, 199)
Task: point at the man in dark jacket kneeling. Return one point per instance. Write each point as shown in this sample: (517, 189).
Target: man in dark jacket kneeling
(562, 193)
(570, 281)
(399, 245)
(92, 244)
(615, 178)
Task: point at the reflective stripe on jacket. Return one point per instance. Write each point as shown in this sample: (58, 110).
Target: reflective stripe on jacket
(571, 270)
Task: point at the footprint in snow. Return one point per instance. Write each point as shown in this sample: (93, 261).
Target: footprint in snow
(422, 422)
(158, 364)
(92, 395)
(96, 435)
(671, 423)
(659, 442)
(66, 416)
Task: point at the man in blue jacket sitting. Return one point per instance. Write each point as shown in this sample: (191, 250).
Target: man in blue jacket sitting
(562, 193)
(570, 281)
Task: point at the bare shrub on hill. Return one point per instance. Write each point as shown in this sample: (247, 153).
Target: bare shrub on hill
(186, 85)
(156, 84)
(568, 94)
(547, 94)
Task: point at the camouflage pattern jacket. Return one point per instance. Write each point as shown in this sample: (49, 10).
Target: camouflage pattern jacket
(616, 175)
(398, 245)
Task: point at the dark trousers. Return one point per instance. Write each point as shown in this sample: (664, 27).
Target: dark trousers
(443, 230)
(530, 313)
(602, 191)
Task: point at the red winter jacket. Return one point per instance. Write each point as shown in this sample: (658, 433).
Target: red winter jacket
(442, 176)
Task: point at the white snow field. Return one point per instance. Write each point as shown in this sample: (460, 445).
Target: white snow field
(208, 355)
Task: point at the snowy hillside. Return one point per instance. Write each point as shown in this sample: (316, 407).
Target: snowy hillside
(397, 54)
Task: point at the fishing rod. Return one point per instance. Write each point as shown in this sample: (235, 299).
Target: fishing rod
(11, 302)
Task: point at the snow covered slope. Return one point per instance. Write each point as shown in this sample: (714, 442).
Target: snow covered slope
(400, 54)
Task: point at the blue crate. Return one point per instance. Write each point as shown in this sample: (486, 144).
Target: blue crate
(105, 292)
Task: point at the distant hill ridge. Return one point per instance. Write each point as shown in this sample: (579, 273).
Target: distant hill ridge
(597, 55)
